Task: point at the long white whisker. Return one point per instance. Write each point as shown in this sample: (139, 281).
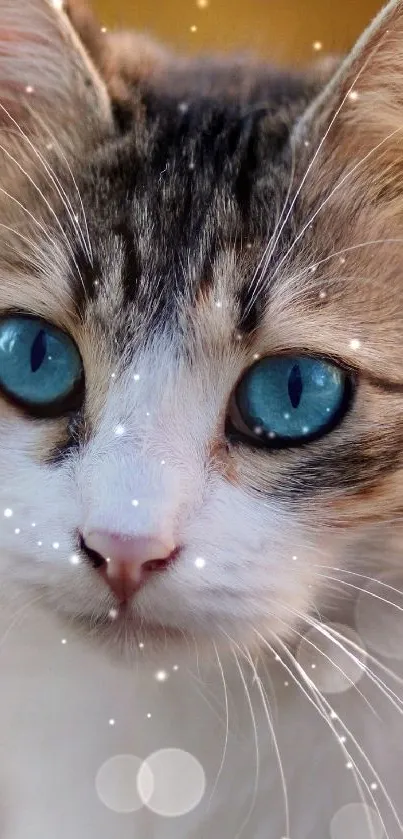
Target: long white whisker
(274, 740)
(316, 701)
(326, 706)
(332, 193)
(221, 669)
(321, 143)
(48, 205)
(53, 177)
(255, 734)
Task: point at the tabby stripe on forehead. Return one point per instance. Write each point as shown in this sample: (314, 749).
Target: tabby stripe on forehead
(348, 466)
(250, 309)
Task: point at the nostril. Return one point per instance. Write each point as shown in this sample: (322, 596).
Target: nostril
(96, 559)
(161, 564)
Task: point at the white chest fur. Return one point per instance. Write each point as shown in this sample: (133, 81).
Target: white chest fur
(66, 709)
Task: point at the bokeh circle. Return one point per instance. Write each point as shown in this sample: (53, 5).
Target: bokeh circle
(116, 783)
(171, 782)
(358, 821)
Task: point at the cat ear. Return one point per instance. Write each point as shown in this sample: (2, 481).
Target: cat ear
(47, 76)
(358, 119)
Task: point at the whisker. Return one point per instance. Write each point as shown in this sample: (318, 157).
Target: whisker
(320, 705)
(50, 173)
(314, 158)
(48, 205)
(255, 734)
(221, 669)
(332, 193)
(264, 699)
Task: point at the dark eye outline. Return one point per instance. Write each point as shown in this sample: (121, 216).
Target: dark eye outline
(245, 436)
(59, 407)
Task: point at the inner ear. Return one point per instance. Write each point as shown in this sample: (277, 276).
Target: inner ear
(47, 76)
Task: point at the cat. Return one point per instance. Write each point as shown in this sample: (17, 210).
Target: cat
(200, 437)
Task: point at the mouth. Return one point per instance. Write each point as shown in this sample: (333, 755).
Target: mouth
(122, 628)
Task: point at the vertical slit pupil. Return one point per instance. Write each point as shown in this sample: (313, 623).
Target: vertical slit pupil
(38, 351)
(295, 386)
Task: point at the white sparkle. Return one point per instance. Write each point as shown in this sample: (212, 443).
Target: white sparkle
(374, 786)
(286, 684)
(317, 46)
(175, 667)
(333, 715)
(103, 29)
(135, 502)
(258, 429)
(8, 513)
(148, 716)
(119, 430)
(74, 559)
(200, 562)
(136, 377)
(353, 95)
(272, 435)
(277, 657)
(39, 544)
(183, 107)
(294, 558)
(17, 530)
(33, 524)
(219, 304)
(256, 356)
(286, 416)
(355, 344)
(306, 143)
(202, 4)
(162, 462)
(161, 675)
(147, 413)
(322, 295)
(64, 641)
(305, 429)
(141, 645)
(349, 765)
(29, 89)
(313, 666)
(113, 375)
(57, 4)
(342, 739)
(49, 146)
(56, 545)
(113, 613)
(111, 722)
(193, 28)
(342, 260)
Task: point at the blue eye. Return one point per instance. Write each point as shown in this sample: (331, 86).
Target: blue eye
(40, 366)
(286, 400)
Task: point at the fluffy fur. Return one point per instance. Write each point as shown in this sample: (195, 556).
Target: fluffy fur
(179, 219)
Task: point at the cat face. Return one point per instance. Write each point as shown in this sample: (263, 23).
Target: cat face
(199, 331)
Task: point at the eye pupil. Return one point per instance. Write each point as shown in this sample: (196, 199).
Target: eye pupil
(38, 351)
(295, 386)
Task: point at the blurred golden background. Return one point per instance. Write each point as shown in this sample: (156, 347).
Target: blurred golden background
(282, 30)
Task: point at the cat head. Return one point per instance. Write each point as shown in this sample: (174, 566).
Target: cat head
(200, 299)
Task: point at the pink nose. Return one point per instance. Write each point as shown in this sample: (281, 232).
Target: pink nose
(125, 563)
